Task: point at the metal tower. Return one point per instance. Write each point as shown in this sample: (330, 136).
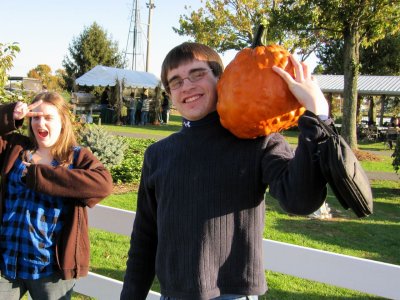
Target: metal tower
(134, 48)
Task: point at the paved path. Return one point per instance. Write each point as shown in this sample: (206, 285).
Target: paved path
(371, 175)
(139, 135)
(383, 176)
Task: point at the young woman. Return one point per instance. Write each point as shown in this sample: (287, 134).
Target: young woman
(47, 181)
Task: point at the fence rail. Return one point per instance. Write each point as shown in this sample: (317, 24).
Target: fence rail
(350, 272)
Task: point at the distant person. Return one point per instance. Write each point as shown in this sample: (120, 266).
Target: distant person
(391, 136)
(89, 118)
(138, 115)
(44, 88)
(83, 118)
(105, 98)
(132, 109)
(105, 114)
(165, 108)
(394, 121)
(47, 182)
(144, 118)
(124, 113)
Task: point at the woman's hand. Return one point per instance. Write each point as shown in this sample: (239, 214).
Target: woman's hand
(22, 110)
(304, 87)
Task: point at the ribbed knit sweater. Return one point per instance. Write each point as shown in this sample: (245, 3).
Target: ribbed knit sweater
(200, 215)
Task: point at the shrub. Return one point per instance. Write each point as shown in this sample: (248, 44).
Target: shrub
(7, 96)
(107, 148)
(129, 170)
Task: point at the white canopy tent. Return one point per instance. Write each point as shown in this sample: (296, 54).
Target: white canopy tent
(108, 76)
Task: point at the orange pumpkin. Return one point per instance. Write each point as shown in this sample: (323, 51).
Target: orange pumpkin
(253, 100)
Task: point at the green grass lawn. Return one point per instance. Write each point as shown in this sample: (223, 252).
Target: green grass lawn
(175, 123)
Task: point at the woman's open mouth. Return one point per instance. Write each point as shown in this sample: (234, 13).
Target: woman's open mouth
(43, 133)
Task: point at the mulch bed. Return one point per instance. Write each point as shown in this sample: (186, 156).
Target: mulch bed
(124, 188)
(366, 156)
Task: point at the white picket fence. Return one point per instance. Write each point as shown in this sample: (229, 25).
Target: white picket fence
(354, 273)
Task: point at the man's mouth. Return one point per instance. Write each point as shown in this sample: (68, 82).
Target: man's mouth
(192, 99)
(43, 133)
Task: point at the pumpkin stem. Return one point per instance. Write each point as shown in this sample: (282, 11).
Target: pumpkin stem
(260, 35)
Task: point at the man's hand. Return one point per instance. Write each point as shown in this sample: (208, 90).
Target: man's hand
(304, 87)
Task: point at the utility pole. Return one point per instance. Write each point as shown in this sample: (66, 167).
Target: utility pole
(150, 6)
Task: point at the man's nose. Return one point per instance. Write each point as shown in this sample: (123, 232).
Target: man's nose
(187, 82)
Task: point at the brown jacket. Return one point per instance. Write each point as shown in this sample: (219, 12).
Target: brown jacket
(85, 185)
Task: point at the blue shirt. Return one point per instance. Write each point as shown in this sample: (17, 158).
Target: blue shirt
(30, 225)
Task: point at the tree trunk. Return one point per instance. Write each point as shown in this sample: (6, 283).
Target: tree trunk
(358, 110)
(329, 98)
(382, 114)
(157, 105)
(351, 71)
(372, 111)
(119, 102)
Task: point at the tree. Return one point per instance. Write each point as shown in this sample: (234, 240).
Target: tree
(357, 23)
(44, 73)
(7, 54)
(303, 24)
(330, 57)
(224, 25)
(91, 48)
(231, 25)
(380, 58)
(59, 77)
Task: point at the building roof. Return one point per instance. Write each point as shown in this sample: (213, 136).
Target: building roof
(367, 85)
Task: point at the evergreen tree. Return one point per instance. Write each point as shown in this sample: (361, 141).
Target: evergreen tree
(91, 48)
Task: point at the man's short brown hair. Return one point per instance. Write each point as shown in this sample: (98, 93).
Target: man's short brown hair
(188, 52)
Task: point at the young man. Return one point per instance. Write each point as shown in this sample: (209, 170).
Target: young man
(200, 215)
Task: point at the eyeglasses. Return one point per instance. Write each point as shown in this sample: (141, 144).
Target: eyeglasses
(194, 76)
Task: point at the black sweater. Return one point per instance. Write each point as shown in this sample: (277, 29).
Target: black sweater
(200, 215)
